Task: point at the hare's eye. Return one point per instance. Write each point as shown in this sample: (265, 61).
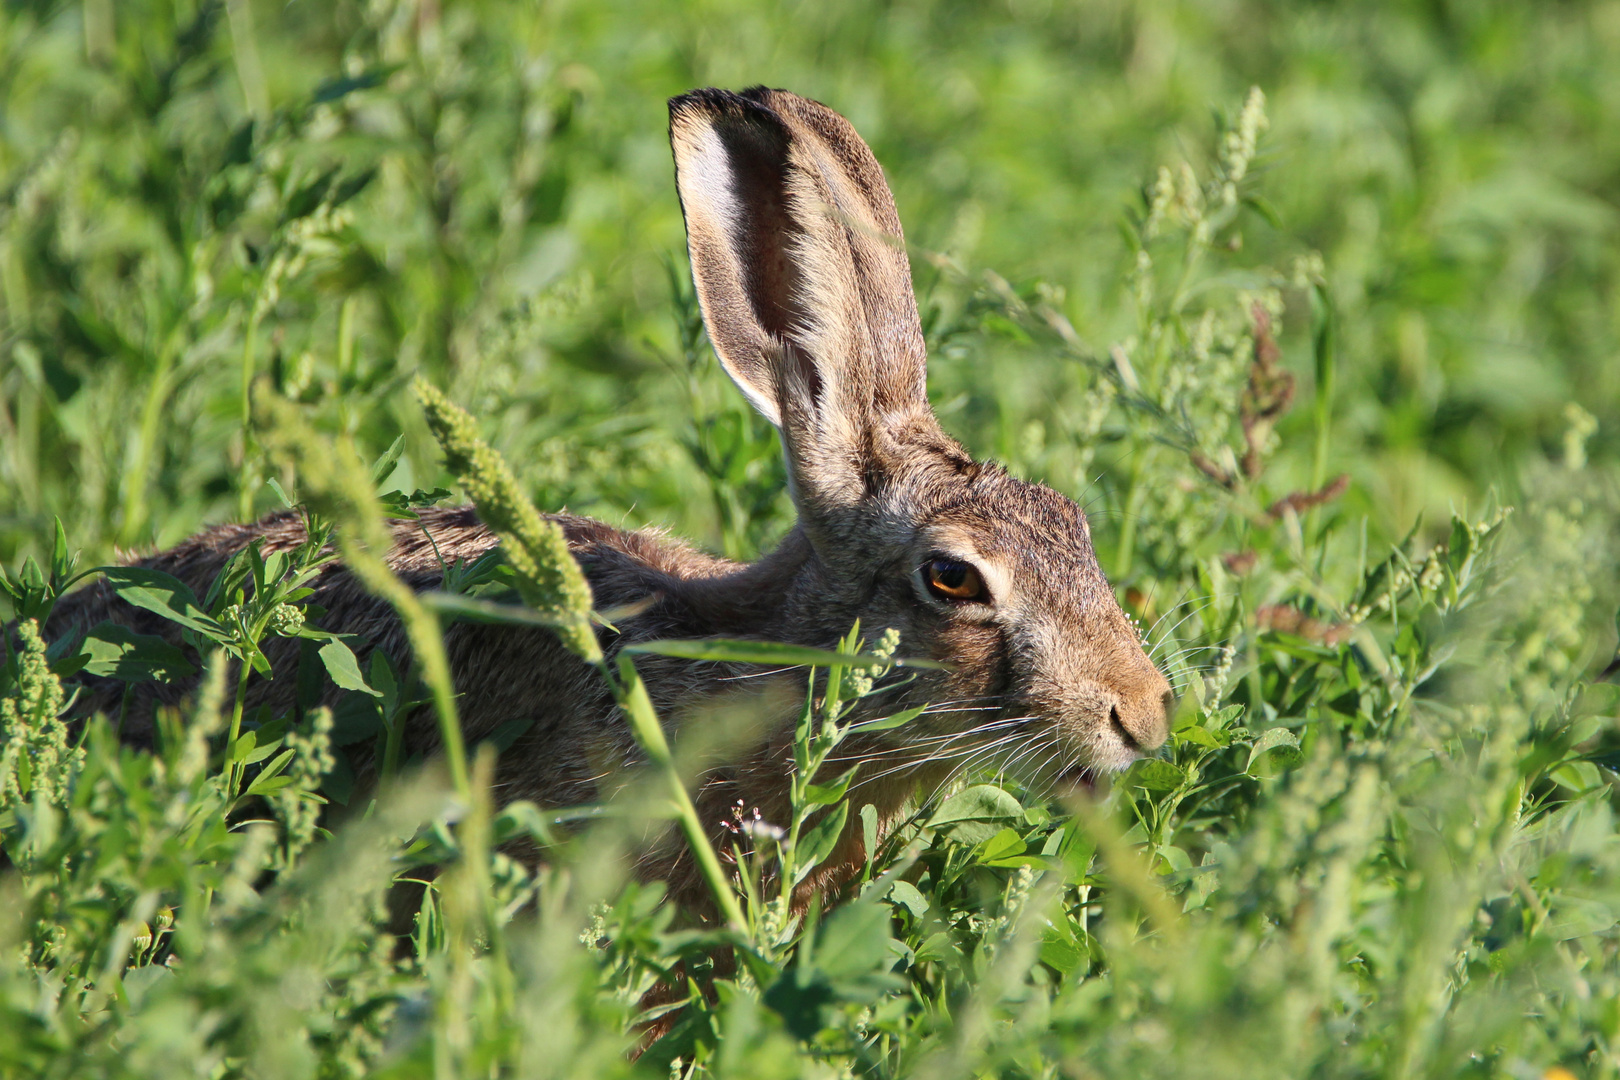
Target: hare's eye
(953, 580)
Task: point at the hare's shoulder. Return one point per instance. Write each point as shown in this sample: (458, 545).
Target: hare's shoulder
(619, 562)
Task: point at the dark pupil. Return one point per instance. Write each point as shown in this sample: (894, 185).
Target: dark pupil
(949, 575)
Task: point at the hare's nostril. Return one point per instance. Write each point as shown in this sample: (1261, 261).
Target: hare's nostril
(1169, 703)
(1119, 726)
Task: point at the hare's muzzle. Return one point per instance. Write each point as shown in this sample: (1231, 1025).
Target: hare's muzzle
(1141, 718)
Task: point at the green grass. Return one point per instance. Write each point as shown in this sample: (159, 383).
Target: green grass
(1381, 841)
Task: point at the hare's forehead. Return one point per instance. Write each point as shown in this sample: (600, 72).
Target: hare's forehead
(1026, 529)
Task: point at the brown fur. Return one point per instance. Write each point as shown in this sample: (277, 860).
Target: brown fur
(801, 271)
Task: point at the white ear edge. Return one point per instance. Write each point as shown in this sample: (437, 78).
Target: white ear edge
(710, 200)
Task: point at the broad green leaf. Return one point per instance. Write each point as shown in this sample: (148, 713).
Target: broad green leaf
(117, 652)
(905, 894)
(1199, 737)
(344, 669)
(1174, 857)
(165, 595)
(1060, 950)
(1154, 774)
(981, 802)
(1004, 845)
(1280, 739)
(269, 787)
(242, 747)
(356, 718)
(382, 676)
(261, 748)
(852, 941)
(817, 842)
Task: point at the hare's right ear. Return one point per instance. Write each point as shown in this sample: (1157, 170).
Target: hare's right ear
(801, 271)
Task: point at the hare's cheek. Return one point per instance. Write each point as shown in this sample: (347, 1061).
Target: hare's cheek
(977, 654)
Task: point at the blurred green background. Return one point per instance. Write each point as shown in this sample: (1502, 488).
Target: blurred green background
(204, 201)
(508, 224)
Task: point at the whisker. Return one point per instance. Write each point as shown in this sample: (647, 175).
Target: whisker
(760, 674)
(1157, 640)
(938, 756)
(938, 741)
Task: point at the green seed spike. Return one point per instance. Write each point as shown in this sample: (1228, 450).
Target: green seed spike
(36, 756)
(549, 580)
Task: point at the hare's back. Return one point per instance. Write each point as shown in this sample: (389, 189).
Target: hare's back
(504, 675)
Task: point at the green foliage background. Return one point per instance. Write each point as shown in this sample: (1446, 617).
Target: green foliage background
(1454, 165)
(1381, 842)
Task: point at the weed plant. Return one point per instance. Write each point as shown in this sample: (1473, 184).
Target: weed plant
(1380, 841)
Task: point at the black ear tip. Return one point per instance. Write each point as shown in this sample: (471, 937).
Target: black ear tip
(707, 101)
(756, 101)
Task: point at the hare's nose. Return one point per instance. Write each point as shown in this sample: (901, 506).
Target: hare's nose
(1143, 723)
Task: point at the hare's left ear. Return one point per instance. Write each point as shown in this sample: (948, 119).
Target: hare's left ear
(801, 272)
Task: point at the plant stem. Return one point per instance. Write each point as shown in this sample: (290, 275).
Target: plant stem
(135, 478)
(244, 494)
(631, 694)
(391, 745)
(234, 769)
(1126, 551)
(422, 629)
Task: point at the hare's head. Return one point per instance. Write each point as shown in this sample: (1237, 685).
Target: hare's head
(802, 274)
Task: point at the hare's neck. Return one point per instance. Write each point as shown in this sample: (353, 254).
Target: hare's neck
(691, 594)
(752, 600)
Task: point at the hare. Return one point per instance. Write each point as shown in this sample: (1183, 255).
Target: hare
(802, 276)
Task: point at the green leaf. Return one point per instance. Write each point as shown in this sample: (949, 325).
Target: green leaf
(869, 831)
(905, 894)
(1060, 950)
(827, 794)
(384, 465)
(1282, 740)
(274, 485)
(344, 669)
(165, 595)
(356, 718)
(981, 802)
(242, 747)
(269, 787)
(382, 676)
(853, 941)
(262, 783)
(889, 723)
(1154, 774)
(1579, 916)
(1004, 845)
(117, 652)
(1200, 737)
(478, 609)
(523, 818)
(262, 749)
(335, 88)
(731, 650)
(816, 843)
(976, 814)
